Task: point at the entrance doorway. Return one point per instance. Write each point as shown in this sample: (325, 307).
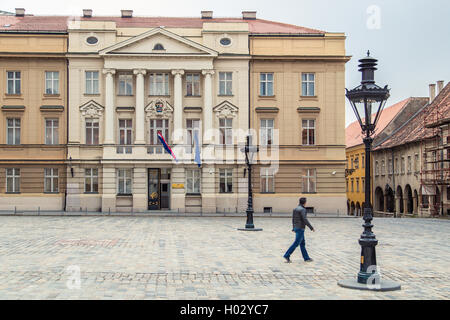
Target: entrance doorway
(158, 188)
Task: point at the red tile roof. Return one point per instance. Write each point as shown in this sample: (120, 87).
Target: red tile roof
(414, 129)
(353, 134)
(59, 23)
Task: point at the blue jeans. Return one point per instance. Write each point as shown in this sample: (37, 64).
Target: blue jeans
(299, 240)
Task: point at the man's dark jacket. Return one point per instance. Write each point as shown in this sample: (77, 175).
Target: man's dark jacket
(299, 219)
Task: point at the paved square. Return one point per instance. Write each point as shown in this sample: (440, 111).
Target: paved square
(207, 258)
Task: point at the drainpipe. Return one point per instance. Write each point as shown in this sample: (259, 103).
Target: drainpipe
(67, 122)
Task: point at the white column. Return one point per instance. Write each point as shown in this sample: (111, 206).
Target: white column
(109, 106)
(178, 107)
(140, 100)
(207, 107)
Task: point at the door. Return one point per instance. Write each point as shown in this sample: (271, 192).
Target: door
(165, 194)
(154, 194)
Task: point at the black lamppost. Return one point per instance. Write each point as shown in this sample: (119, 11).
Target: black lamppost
(250, 151)
(368, 101)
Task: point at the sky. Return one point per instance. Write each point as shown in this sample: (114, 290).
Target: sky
(410, 38)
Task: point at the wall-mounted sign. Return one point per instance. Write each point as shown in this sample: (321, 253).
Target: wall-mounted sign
(177, 185)
(159, 106)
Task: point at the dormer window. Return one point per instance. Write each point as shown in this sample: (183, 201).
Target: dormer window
(158, 46)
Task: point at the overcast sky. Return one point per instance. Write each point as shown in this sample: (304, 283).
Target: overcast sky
(410, 38)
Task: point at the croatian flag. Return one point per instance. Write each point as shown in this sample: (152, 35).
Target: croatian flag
(166, 146)
(197, 150)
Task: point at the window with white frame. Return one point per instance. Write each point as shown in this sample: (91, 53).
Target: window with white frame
(308, 84)
(308, 180)
(51, 131)
(12, 180)
(267, 180)
(125, 84)
(266, 132)
(193, 180)
(193, 84)
(91, 180)
(266, 84)
(92, 82)
(226, 131)
(192, 128)
(159, 84)
(13, 131)
(92, 131)
(51, 180)
(226, 180)
(158, 126)
(124, 181)
(225, 83)
(308, 132)
(52, 82)
(125, 135)
(13, 82)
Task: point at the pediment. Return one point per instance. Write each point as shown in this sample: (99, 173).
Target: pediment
(226, 109)
(91, 109)
(158, 42)
(158, 109)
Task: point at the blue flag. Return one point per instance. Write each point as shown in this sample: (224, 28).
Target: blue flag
(197, 160)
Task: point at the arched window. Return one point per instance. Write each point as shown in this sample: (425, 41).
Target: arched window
(158, 46)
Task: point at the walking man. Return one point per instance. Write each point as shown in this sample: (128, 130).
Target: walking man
(299, 221)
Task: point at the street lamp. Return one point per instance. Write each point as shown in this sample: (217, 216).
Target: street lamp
(250, 151)
(368, 101)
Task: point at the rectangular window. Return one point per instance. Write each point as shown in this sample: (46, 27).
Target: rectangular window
(225, 83)
(125, 84)
(308, 81)
(159, 84)
(92, 132)
(267, 180)
(158, 126)
(92, 82)
(353, 190)
(192, 127)
(13, 80)
(226, 131)
(193, 180)
(383, 168)
(352, 162)
(363, 182)
(390, 166)
(125, 135)
(377, 169)
(363, 162)
(90, 180)
(403, 165)
(193, 84)
(409, 164)
(357, 184)
(397, 168)
(266, 132)
(51, 180)
(266, 84)
(309, 180)
(226, 180)
(124, 181)
(356, 162)
(51, 82)
(12, 180)
(51, 131)
(416, 163)
(13, 131)
(309, 132)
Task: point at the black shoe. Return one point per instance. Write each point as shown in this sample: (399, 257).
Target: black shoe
(309, 260)
(287, 259)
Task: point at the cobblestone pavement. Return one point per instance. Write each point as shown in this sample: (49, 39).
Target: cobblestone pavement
(207, 258)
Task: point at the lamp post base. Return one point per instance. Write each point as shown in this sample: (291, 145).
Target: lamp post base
(383, 285)
(250, 229)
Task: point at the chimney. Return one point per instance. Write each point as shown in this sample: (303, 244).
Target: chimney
(207, 14)
(20, 12)
(87, 13)
(127, 13)
(249, 15)
(440, 86)
(432, 92)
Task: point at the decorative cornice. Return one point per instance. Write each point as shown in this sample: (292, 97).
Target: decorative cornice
(91, 109)
(308, 109)
(267, 109)
(158, 109)
(13, 108)
(52, 108)
(192, 109)
(226, 109)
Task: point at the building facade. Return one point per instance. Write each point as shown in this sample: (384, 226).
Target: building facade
(410, 171)
(298, 114)
(33, 113)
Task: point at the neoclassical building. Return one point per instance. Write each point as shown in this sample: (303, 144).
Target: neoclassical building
(132, 78)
